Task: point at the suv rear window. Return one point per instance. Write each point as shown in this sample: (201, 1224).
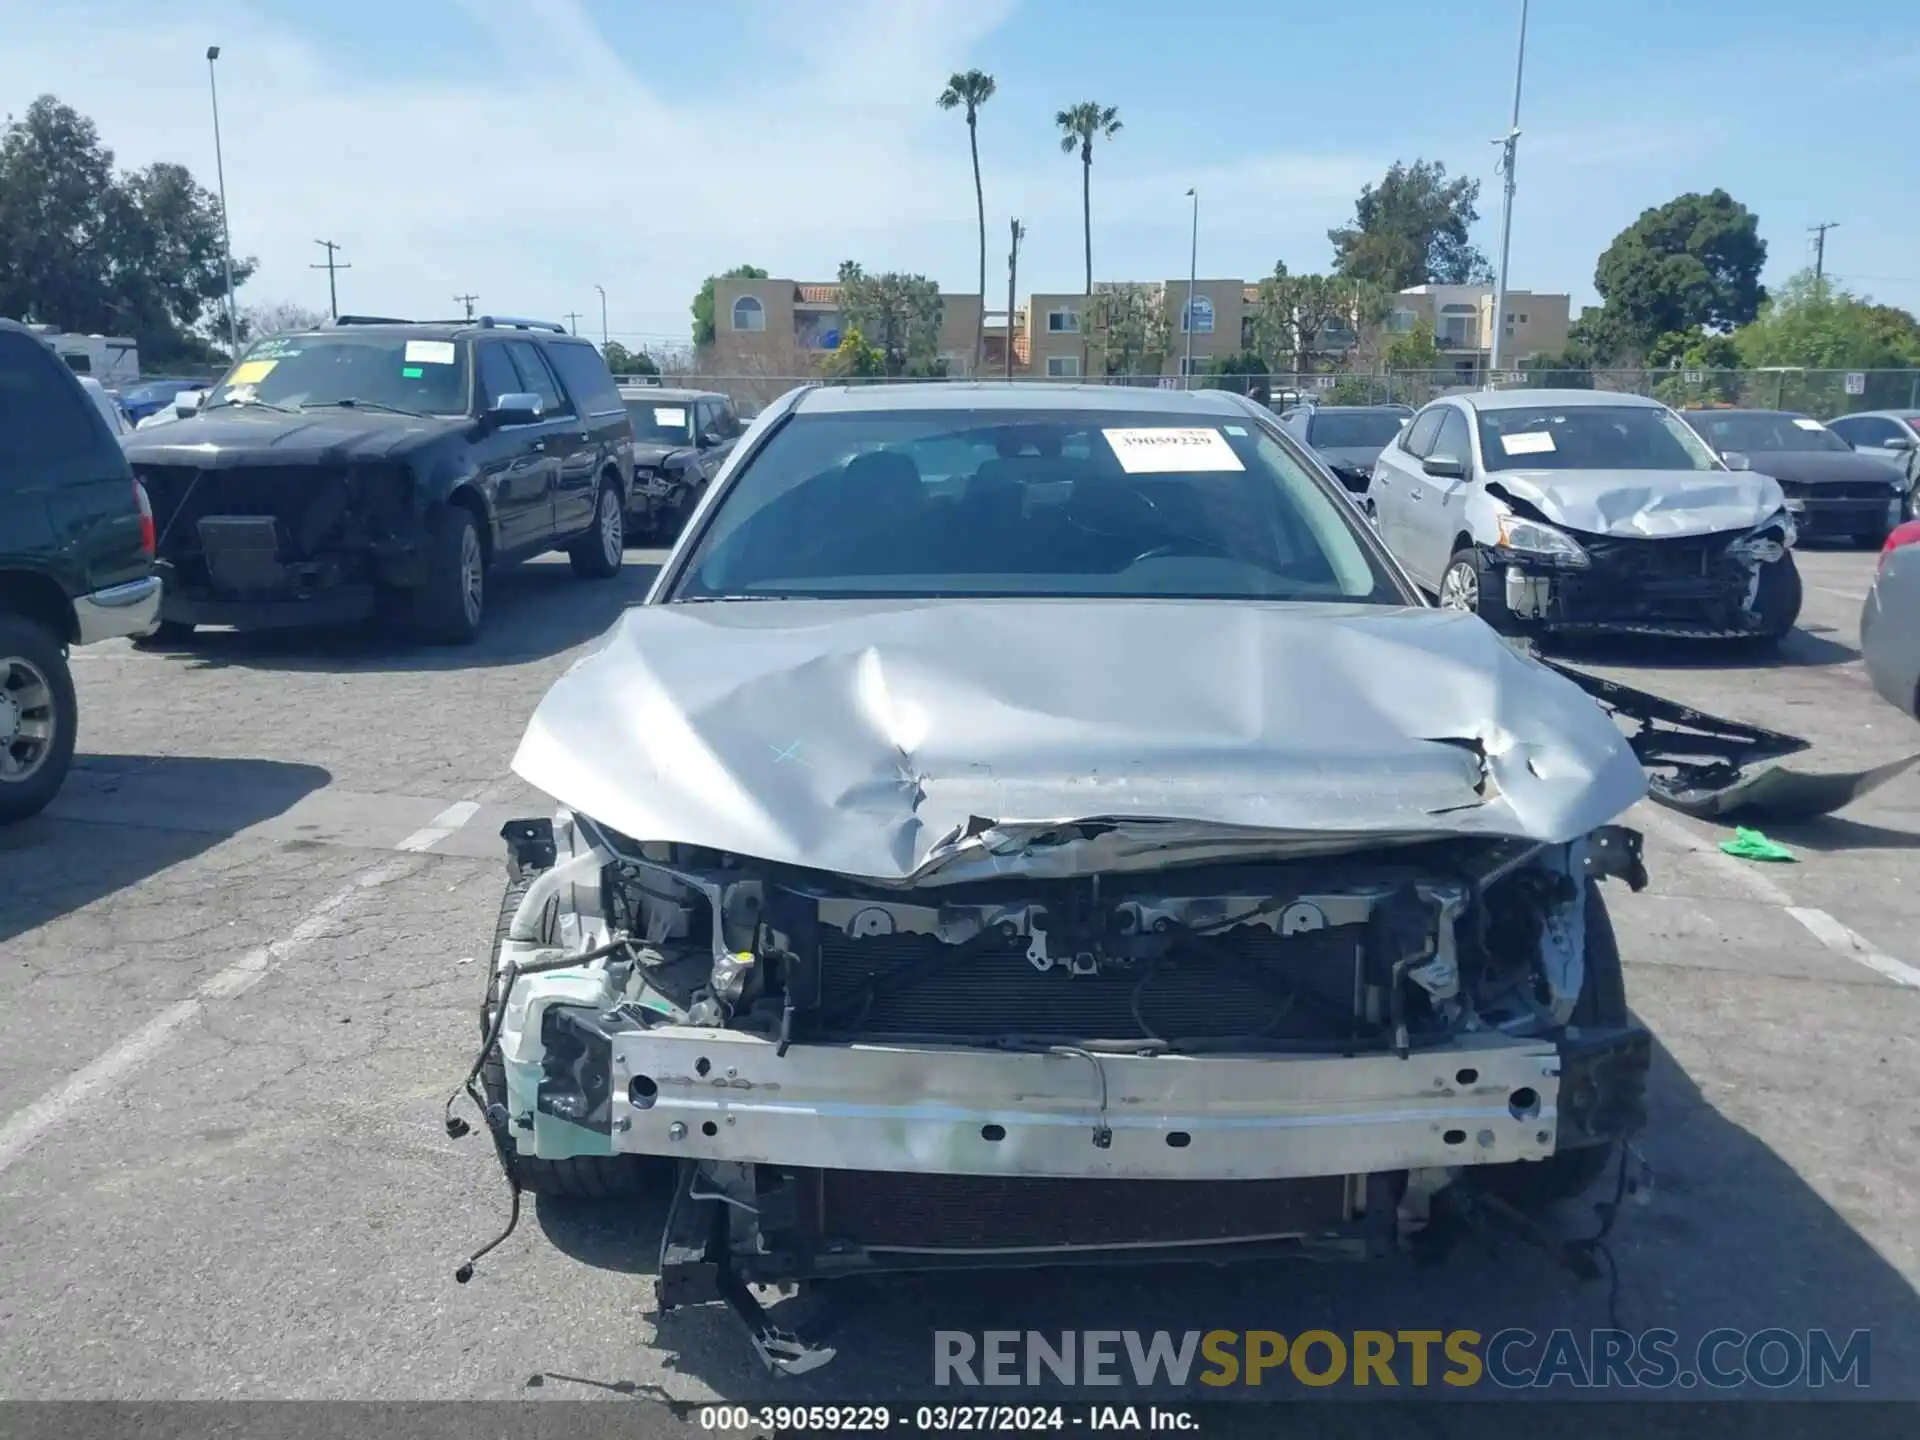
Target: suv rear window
(44, 415)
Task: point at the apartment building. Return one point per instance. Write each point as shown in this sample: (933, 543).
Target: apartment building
(786, 327)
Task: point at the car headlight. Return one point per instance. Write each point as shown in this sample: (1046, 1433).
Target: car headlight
(1771, 538)
(1532, 537)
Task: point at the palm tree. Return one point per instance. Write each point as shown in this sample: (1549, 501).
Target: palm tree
(974, 89)
(1079, 125)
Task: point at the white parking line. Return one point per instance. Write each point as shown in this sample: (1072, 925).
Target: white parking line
(441, 826)
(1857, 599)
(27, 1127)
(1842, 941)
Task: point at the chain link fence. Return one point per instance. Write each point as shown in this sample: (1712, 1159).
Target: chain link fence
(1821, 393)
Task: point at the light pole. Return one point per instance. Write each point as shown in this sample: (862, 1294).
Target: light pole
(1193, 278)
(603, 318)
(1509, 144)
(226, 228)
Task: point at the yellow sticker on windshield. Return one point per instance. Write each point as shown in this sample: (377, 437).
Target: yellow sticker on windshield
(1170, 451)
(251, 372)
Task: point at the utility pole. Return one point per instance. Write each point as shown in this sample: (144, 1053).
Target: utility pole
(1819, 233)
(333, 295)
(573, 321)
(226, 228)
(1510, 146)
(603, 317)
(1019, 233)
(1193, 279)
(466, 300)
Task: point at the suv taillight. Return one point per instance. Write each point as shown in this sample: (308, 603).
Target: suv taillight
(148, 542)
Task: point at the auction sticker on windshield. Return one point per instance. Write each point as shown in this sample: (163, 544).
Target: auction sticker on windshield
(670, 418)
(429, 352)
(1163, 452)
(1528, 442)
(251, 372)
(1806, 424)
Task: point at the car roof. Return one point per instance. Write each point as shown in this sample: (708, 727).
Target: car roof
(1566, 399)
(662, 392)
(1352, 409)
(1909, 414)
(1745, 413)
(1015, 395)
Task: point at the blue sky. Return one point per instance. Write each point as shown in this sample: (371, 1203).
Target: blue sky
(529, 151)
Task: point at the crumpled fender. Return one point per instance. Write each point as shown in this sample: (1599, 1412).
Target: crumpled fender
(1482, 515)
(1711, 768)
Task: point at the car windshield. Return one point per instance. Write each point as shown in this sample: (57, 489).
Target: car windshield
(663, 422)
(1590, 437)
(1031, 503)
(381, 372)
(1353, 429)
(1757, 434)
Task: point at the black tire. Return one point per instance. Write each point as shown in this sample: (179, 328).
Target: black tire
(1467, 571)
(1779, 600)
(451, 601)
(587, 1177)
(167, 635)
(1533, 1185)
(39, 717)
(598, 554)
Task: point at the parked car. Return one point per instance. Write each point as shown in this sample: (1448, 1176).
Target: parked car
(1831, 492)
(1566, 511)
(1095, 850)
(1348, 437)
(1890, 435)
(76, 560)
(109, 408)
(382, 468)
(184, 405)
(681, 438)
(1890, 621)
(147, 397)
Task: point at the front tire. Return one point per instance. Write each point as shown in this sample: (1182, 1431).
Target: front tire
(598, 554)
(451, 601)
(39, 717)
(1777, 603)
(1470, 585)
(585, 1177)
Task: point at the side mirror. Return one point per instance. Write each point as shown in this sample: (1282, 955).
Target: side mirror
(516, 407)
(1445, 467)
(1735, 460)
(1898, 442)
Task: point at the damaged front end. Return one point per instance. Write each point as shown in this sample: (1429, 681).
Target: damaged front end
(1208, 1062)
(265, 545)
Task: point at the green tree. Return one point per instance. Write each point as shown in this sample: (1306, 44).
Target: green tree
(622, 361)
(1571, 369)
(901, 314)
(703, 323)
(1691, 264)
(1826, 327)
(1411, 229)
(1414, 350)
(1313, 318)
(854, 358)
(1714, 359)
(88, 248)
(1131, 329)
(1244, 373)
(1080, 125)
(971, 90)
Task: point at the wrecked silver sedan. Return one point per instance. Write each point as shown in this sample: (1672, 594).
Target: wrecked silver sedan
(1041, 825)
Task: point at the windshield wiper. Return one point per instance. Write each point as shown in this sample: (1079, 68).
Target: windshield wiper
(261, 404)
(352, 403)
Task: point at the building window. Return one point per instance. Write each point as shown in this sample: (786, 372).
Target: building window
(1198, 316)
(1063, 367)
(1063, 322)
(749, 314)
(1523, 317)
(1401, 321)
(1195, 365)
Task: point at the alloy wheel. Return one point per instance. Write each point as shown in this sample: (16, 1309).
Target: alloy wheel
(27, 719)
(473, 577)
(613, 529)
(1460, 588)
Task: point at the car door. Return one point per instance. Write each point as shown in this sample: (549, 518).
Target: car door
(1869, 435)
(566, 444)
(1397, 475)
(514, 466)
(1439, 502)
(596, 400)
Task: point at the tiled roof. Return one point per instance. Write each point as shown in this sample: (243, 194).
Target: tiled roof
(817, 294)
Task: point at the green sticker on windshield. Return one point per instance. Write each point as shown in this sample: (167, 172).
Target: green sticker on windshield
(412, 372)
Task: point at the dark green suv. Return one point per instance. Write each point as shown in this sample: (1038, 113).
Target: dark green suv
(76, 560)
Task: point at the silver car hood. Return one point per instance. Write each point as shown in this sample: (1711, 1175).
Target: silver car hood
(1646, 503)
(904, 742)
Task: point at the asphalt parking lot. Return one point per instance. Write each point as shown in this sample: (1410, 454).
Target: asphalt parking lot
(244, 949)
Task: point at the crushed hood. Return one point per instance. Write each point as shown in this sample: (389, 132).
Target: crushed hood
(653, 452)
(897, 741)
(1645, 503)
(255, 435)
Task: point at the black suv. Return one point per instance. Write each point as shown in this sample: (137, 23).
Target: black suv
(76, 560)
(379, 467)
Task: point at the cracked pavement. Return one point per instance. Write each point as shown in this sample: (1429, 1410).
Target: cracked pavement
(266, 1205)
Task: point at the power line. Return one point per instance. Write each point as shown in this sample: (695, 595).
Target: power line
(573, 321)
(333, 295)
(466, 300)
